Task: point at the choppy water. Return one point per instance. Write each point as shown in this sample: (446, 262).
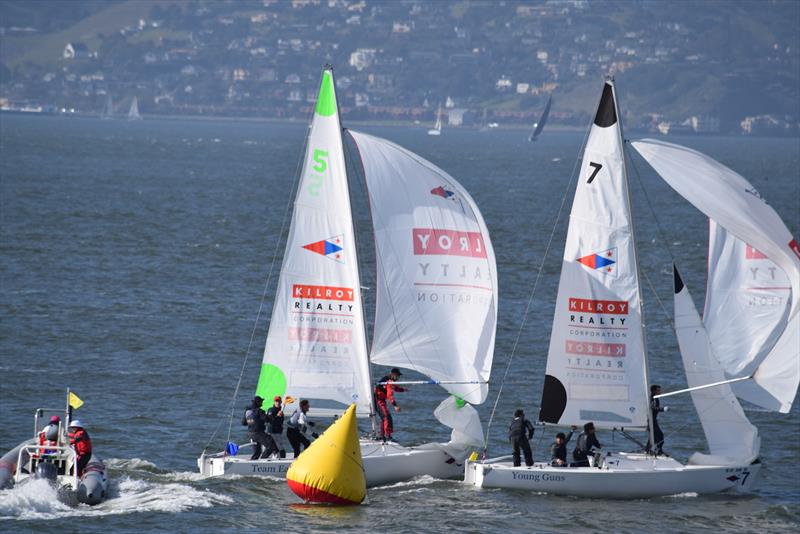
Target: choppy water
(134, 257)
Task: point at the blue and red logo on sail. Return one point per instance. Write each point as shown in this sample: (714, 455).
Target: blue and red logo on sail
(442, 192)
(331, 248)
(605, 261)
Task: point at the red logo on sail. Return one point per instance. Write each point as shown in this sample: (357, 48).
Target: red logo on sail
(605, 262)
(429, 241)
(330, 248)
(303, 291)
(752, 253)
(588, 348)
(615, 307)
(320, 335)
(442, 192)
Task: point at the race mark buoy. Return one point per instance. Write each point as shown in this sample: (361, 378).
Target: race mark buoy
(330, 470)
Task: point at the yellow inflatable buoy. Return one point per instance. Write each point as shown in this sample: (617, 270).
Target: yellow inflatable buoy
(330, 470)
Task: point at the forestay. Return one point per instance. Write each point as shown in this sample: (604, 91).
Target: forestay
(596, 369)
(735, 205)
(316, 346)
(732, 440)
(436, 309)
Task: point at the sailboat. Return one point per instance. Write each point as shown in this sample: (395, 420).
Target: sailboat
(108, 109)
(538, 126)
(437, 128)
(436, 309)
(597, 359)
(133, 112)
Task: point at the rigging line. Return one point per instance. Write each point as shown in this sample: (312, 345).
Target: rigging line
(573, 178)
(658, 299)
(275, 253)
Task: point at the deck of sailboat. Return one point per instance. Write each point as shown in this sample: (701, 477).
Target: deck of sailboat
(621, 476)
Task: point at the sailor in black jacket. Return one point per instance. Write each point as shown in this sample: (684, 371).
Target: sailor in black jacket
(517, 435)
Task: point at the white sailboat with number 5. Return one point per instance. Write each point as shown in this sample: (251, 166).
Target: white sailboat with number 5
(316, 347)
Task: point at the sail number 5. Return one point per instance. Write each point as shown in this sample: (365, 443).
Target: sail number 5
(320, 159)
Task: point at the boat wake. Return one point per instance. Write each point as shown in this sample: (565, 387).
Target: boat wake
(142, 487)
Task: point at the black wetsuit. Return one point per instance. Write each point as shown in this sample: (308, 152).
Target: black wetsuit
(516, 434)
(655, 407)
(256, 420)
(275, 422)
(559, 452)
(583, 446)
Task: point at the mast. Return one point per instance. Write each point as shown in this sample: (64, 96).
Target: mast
(329, 68)
(645, 367)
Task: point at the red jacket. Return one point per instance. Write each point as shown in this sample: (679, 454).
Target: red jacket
(81, 442)
(385, 392)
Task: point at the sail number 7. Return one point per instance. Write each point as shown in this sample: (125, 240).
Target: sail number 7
(320, 159)
(596, 167)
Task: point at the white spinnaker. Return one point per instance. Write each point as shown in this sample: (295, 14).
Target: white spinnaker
(732, 202)
(436, 307)
(596, 363)
(316, 340)
(732, 439)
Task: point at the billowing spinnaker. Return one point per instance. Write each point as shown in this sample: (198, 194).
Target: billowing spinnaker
(437, 281)
(732, 202)
(596, 365)
(316, 346)
(732, 440)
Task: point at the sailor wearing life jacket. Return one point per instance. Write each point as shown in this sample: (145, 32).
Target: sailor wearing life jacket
(49, 435)
(82, 443)
(384, 395)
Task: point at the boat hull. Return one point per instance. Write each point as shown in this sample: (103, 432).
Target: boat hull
(620, 477)
(384, 463)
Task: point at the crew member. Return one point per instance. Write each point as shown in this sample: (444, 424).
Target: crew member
(587, 441)
(384, 395)
(558, 450)
(517, 435)
(655, 408)
(256, 421)
(275, 425)
(49, 435)
(297, 426)
(82, 443)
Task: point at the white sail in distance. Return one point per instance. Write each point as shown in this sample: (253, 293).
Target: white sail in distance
(733, 203)
(316, 345)
(596, 369)
(732, 439)
(436, 309)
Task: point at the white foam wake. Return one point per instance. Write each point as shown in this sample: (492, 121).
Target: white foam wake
(38, 500)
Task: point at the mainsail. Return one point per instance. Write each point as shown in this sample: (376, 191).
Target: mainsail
(316, 345)
(735, 205)
(732, 439)
(437, 282)
(596, 369)
(539, 125)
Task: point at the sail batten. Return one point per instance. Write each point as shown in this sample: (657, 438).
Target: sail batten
(596, 368)
(316, 344)
(436, 309)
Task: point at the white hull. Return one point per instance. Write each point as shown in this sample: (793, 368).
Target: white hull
(434, 132)
(622, 476)
(384, 463)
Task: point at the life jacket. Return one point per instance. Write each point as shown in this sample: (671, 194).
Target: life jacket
(81, 442)
(383, 392)
(254, 419)
(45, 436)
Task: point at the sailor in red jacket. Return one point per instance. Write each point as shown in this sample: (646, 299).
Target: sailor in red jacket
(384, 395)
(82, 443)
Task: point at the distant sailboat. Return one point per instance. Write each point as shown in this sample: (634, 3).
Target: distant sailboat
(133, 113)
(437, 128)
(538, 126)
(108, 109)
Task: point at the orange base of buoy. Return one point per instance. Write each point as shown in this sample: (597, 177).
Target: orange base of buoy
(315, 495)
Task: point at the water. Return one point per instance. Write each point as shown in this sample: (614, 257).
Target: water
(134, 257)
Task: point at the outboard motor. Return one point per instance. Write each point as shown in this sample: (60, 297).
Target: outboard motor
(46, 471)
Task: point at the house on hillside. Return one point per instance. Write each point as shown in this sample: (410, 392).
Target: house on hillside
(76, 50)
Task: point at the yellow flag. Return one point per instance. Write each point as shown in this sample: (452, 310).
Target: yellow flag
(75, 401)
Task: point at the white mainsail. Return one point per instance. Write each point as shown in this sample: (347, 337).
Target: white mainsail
(133, 112)
(596, 369)
(437, 282)
(732, 439)
(316, 345)
(732, 202)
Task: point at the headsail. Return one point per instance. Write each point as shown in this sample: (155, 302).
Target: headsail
(437, 280)
(316, 346)
(732, 440)
(596, 369)
(732, 202)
